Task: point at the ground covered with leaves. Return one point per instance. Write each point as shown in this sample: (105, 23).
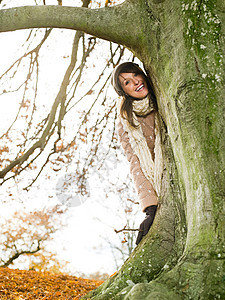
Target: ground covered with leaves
(24, 285)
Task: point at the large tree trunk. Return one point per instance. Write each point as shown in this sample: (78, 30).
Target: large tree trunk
(181, 44)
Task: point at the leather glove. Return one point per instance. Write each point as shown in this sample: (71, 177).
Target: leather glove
(147, 223)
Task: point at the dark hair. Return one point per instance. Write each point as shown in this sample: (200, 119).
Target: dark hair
(126, 109)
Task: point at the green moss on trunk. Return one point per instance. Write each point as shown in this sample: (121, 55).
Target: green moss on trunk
(182, 46)
(184, 55)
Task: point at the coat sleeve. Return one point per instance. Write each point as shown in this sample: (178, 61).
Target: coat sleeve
(146, 193)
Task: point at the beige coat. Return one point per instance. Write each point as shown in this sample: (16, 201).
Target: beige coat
(145, 188)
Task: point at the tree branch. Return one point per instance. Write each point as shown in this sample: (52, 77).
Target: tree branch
(19, 253)
(109, 23)
(125, 229)
(60, 100)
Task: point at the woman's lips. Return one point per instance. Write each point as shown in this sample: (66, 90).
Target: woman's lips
(140, 87)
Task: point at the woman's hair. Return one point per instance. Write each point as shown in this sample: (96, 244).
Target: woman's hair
(126, 109)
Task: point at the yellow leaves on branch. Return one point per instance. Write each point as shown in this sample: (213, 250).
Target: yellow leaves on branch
(4, 149)
(26, 231)
(26, 104)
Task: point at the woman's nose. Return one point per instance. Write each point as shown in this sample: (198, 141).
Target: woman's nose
(135, 80)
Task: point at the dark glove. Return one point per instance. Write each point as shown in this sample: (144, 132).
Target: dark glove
(147, 223)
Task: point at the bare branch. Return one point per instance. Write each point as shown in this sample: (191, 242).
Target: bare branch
(60, 100)
(16, 64)
(109, 23)
(124, 229)
(18, 254)
(132, 201)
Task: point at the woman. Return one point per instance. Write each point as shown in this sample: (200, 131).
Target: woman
(138, 132)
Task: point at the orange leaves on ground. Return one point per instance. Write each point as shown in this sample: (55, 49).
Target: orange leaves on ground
(17, 284)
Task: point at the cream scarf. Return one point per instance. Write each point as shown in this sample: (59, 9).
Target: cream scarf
(151, 169)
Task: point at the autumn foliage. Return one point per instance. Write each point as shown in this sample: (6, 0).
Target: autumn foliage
(26, 233)
(24, 285)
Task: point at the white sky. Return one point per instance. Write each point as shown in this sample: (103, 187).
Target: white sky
(83, 242)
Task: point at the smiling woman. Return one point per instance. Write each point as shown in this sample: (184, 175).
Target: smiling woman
(139, 136)
(134, 84)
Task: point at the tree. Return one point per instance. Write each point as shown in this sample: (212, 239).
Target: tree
(49, 131)
(181, 44)
(26, 234)
(66, 156)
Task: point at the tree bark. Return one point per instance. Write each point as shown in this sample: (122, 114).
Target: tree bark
(181, 44)
(104, 22)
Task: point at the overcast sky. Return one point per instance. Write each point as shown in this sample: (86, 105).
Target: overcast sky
(83, 242)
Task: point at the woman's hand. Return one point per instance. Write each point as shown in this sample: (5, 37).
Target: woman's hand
(147, 223)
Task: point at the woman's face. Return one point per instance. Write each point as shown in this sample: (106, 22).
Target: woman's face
(134, 85)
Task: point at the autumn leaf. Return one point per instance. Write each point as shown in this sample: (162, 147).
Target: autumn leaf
(90, 92)
(21, 285)
(124, 240)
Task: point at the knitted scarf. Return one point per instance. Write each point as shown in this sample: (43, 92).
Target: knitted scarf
(151, 169)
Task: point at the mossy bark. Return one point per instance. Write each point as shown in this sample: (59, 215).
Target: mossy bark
(181, 44)
(182, 257)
